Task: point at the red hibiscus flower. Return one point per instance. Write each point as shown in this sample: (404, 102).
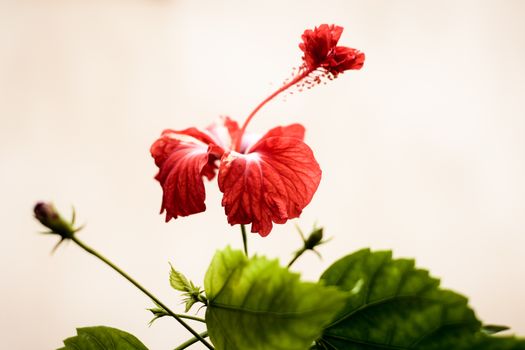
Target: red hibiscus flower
(321, 51)
(264, 179)
(269, 179)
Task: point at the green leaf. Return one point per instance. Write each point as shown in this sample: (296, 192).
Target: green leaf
(258, 305)
(496, 343)
(192, 294)
(157, 312)
(102, 338)
(178, 281)
(393, 305)
(493, 328)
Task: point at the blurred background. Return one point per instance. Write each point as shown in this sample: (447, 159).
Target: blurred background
(422, 151)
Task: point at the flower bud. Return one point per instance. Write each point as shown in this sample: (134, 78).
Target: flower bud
(49, 217)
(314, 239)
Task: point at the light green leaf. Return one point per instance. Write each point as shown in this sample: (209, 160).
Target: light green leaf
(102, 338)
(157, 312)
(178, 281)
(258, 305)
(393, 305)
(192, 294)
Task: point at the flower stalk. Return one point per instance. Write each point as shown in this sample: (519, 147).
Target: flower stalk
(244, 239)
(314, 239)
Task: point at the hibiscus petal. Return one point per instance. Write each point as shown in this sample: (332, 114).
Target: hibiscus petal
(318, 44)
(190, 135)
(224, 131)
(293, 130)
(272, 183)
(345, 58)
(321, 51)
(183, 161)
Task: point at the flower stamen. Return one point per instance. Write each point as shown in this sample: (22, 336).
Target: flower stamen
(322, 60)
(293, 82)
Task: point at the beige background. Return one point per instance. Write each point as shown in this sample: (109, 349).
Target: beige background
(422, 151)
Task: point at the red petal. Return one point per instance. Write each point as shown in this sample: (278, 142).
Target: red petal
(318, 44)
(273, 183)
(293, 130)
(345, 58)
(332, 33)
(224, 131)
(182, 160)
(191, 135)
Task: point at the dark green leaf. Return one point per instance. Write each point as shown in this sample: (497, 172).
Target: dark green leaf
(393, 305)
(493, 328)
(102, 338)
(484, 342)
(258, 305)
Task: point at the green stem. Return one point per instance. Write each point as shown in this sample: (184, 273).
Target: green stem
(194, 318)
(191, 341)
(142, 289)
(244, 239)
(297, 255)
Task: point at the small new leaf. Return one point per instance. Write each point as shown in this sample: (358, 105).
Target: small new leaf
(157, 312)
(179, 282)
(189, 303)
(191, 293)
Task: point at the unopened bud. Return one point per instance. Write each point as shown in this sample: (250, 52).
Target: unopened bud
(314, 239)
(49, 217)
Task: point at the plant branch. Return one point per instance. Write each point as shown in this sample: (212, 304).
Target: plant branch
(190, 341)
(194, 318)
(141, 288)
(297, 255)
